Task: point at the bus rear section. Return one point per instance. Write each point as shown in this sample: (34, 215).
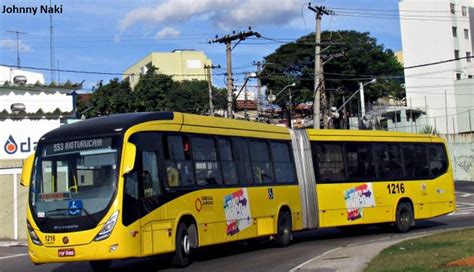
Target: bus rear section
(368, 177)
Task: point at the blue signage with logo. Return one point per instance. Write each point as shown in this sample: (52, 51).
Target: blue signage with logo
(75, 207)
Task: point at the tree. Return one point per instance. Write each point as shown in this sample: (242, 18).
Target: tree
(192, 96)
(363, 60)
(153, 92)
(108, 99)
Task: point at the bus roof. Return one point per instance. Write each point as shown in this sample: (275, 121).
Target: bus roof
(355, 134)
(105, 125)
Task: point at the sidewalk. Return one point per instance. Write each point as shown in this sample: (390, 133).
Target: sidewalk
(353, 257)
(13, 243)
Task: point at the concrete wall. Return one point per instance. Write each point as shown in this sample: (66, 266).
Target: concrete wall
(13, 203)
(461, 149)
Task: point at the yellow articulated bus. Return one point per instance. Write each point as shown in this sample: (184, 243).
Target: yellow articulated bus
(142, 184)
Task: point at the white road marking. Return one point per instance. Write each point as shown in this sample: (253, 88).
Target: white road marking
(13, 256)
(314, 258)
(464, 194)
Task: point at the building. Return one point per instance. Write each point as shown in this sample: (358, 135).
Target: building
(26, 113)
(7, 74)
(399, 56)
(436, 31)
(180, 64)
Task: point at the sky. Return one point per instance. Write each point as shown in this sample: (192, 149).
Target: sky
(108, 36)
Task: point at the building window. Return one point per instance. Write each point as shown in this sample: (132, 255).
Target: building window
(455, 31)
(466, 34)
(453, 8)
(468, 56)
(456, 54)
(458, 76)
(464, 11)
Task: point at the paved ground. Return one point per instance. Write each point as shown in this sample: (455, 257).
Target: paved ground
(320, 250)
(355, 257)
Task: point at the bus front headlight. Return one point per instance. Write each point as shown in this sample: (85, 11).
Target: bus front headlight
(33, 236)
(106, 230)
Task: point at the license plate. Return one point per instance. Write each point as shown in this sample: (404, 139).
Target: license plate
(68, 252)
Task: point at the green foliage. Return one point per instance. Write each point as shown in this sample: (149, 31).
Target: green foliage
(154, 92)
(191, 97)
(429, 130)
(363, 57)
(108, 99)
(431, 253)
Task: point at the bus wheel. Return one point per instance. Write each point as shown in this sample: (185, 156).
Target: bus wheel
(181, 256)
(284, 235)
(404, 218)
(99, 266)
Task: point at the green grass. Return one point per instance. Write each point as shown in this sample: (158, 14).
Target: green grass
(427, 253)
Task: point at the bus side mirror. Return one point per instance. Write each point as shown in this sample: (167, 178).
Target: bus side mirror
(26, 170)
(129, 154)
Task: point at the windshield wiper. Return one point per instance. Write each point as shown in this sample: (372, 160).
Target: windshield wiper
(51, 212)
(48, 214)
(89, 216)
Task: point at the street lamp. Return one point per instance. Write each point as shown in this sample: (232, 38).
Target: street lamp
(273, 100)
(361, 92)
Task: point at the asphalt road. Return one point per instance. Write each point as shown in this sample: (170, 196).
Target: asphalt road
(260, 256)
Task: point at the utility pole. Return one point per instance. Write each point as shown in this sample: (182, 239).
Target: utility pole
(227, 40)
(319, 12)
(446, 111)
(344, 113)
(51, 43)
(18, 64)
(209, 84)
(259, 88)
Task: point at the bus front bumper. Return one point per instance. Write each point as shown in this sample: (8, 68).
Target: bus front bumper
(87, 252)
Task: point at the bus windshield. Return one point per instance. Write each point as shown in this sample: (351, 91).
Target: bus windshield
(74, 178)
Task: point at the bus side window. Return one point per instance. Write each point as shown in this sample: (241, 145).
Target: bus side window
(437, 159)
(242, 156)
(388, 158)
(284, 170)
(179, 167)
(360, 165)
(415, 161)
(329, 158)
(207, 167)
(261, 164)
(150, 175)
(226, 156)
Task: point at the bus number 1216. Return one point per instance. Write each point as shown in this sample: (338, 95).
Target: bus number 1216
(396, 188)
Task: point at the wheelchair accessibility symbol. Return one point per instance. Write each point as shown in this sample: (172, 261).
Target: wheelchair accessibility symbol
(75, 207)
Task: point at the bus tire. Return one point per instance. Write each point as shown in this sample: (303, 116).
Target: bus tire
(181, 257)
(284, 235)
(99, 266)
(404, 217)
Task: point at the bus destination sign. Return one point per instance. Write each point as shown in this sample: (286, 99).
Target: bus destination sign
(78, 145)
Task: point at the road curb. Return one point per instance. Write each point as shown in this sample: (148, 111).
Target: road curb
(13, 244)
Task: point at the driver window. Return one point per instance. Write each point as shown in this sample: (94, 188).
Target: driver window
(151, 180)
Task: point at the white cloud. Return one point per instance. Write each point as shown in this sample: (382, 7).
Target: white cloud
(11, 45)
(168, 32)
(224, 14)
